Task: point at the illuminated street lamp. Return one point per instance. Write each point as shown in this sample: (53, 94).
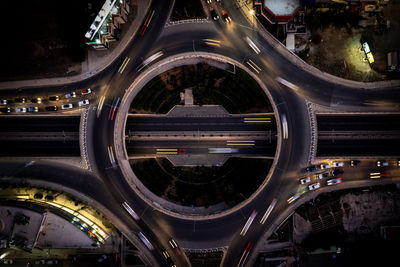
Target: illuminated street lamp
(251, 11)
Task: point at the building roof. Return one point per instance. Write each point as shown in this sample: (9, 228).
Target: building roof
(282, 7)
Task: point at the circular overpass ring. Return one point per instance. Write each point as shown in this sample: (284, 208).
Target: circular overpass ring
(119, 135)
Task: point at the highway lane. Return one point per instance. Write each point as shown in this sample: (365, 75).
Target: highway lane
(359, 122)
(259, 147)
(39, 123)
(233, 123)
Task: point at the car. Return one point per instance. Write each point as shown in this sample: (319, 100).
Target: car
(355, 162)
(312, 168)
(226, 16)
(66, 106)
(336, 172)
(305, 180)
(375, 175)
(54, 98)
(36, 100)
(209, 2)
(86, 91)
(337, 164)
(145, 241)
(334, 181)
(70, 95)
(33, 109)
(20, 100)
(83, 102)
(52, 108)
(325, 166)
(22, 109)
(398, 163)
(293, 198)
(314, 186)
(381, 163)
(323, 175)
(214, 14)
(3, 102)
(5, 109)
(173, 244)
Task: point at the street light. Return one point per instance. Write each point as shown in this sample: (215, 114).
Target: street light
(251, 11)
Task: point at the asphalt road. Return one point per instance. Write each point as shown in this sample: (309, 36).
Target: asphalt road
(294, 153)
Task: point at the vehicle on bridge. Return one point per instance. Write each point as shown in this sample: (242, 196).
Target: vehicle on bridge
(323, 175)
(325, 166)
(20, 100)
(86, 91)
(52, 108)
(70, 95)
(54, 98)
(3, 102)
(33, 109)
(66, 106)
(36, 100)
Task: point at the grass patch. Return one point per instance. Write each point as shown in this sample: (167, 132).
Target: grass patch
(231, 183)
(237, 93)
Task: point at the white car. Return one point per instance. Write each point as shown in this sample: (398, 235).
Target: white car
(3, 102)
(325, 166)
(70, 95)
(314, 186)
(66, 106)
(83, 102)
(337, 164)
(323, 175)
(20, 110)
(334, 181)
(305, 180)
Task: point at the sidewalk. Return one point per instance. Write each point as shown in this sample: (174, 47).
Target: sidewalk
(96, 61)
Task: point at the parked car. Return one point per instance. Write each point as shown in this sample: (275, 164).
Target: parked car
(33, 109)
(334, 181)
(70, 95)
(325, 166)
(337, 164)
(5, 110)
(20, 109)
(305, 180)
(323, 175)
(66, 106)
(355, 162)
(83, 102)
(20, 100)
(381, 163)
(86, 91)
(314, 186)
(336, 172)
(54, 98)
(52, 108)
(36, 100)
(312, 168)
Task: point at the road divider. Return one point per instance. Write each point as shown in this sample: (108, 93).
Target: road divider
(254, 66)
(257, 120)
(240, 143)
(268, 211)
(123, 65)
(248, 223)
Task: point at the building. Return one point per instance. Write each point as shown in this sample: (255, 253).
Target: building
(106, 26)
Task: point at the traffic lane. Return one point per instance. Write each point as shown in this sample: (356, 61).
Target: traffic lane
(39, 124)
(363, 147)
(25, 148)
(364, 122)
(247, 123)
